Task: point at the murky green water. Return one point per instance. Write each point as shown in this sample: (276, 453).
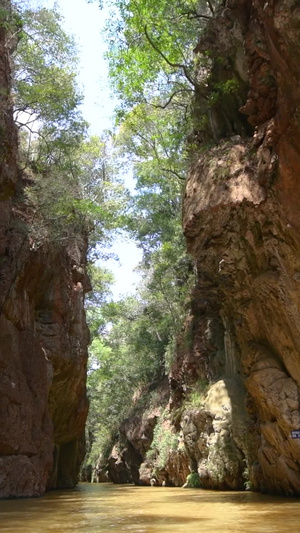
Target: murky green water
(107, 508)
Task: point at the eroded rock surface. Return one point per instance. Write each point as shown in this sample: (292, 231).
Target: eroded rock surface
(241, 220)
(43, 336)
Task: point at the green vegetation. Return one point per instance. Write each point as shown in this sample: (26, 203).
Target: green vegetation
(44, 77)
(246, 476)
(130, 342)
(151, 50)
(75, 190)
(154, 74)
(193, 481)
(196, 394)
(164, 442)
(222, 461)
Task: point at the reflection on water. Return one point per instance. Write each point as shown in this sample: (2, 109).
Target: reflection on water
(108, 508)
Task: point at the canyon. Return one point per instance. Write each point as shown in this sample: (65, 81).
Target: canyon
(239, 348)
(43, 333)
(241, 222)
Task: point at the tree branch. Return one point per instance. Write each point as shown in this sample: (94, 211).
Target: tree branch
(32, 132)
(158, 106)
(170, 171)
(174, 65)
(170, 63)
(175, 93)
(210, 6)
(194, 15)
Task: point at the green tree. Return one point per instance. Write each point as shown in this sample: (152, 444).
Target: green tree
(151, 49)
(74, 193)
(153, 70)
(134, 343)
(44, 74)
(151, 142)
(101, 282)
(71, 177)
(136, 349)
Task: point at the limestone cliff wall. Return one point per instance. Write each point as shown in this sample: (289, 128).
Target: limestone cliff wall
(43, 336)
(241, 220)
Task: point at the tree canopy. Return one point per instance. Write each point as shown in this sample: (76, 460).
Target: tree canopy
(75, 181)
(44, 77)
(151, 49)
(73, 186)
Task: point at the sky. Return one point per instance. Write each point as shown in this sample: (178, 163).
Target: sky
(85, 21)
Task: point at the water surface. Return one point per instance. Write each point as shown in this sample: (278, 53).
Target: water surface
(107, 508)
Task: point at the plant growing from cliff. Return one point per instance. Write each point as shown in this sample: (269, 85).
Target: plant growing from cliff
(246, 476)
(193, 481)
(151, 49)
(152, 70)
(222, 461)
(220, 89)
(72, 189)
(73, 193)
(196, 394)
(10, 21)
(164, 442)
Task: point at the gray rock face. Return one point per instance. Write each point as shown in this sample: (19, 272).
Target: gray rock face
(215, 445)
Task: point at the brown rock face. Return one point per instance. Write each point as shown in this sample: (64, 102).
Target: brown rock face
(128, 461)
(43, 338)
(241, 221)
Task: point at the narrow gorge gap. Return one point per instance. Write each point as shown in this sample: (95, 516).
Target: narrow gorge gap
(185, 373)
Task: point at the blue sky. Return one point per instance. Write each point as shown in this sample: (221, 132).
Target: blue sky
(86, 21)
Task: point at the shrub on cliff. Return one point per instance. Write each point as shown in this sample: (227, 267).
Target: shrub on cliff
(165, 440)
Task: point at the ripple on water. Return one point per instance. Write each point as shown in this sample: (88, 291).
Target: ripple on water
(106, 507)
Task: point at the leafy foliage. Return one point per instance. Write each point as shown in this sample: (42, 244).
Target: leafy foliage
(71, 177)
(164, 442)
(156, 85)
(151, 48)
(153, 146)
(193, 481)
(44, 77)
(73, 192)
(122, 360)
(196, 394)
(133, 342)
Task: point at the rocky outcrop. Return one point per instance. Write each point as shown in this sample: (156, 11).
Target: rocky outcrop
(43, 336)
(241, 221)
(128, 461)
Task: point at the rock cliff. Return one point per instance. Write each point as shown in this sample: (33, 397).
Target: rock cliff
(43, 335)
(241, 221)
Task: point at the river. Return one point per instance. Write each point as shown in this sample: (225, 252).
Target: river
(103, 508)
